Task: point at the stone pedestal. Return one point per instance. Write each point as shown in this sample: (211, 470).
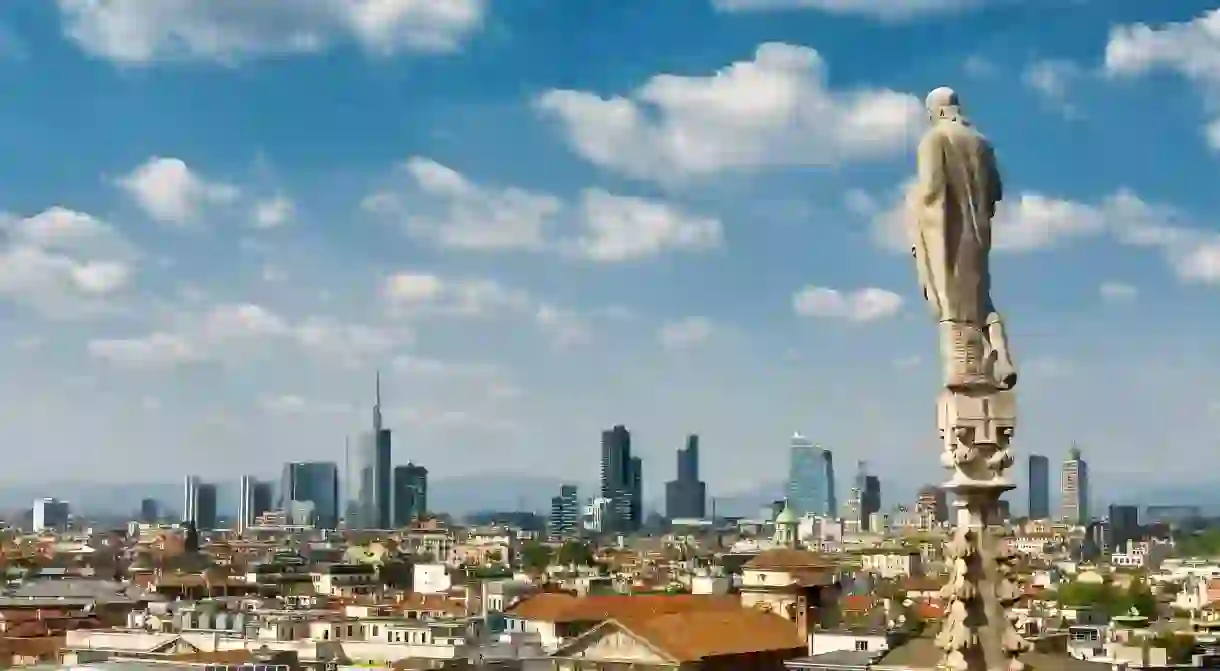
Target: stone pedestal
(977, 633)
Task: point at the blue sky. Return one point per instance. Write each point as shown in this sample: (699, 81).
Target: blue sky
(542, 218)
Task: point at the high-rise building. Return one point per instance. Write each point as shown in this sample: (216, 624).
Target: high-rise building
(199, 503)
(1039, 473)
(686, 495)
(870, 496)
(1124, 526)
(1075, 488)
(373, 473)
(828, 479)
(565, 514)
(255, 498)
(621, 481)
(316, 482)
(410, 494)
(51, 514)
(806, 477)
(150, 511)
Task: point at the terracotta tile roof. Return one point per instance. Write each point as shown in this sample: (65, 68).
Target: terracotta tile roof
(782, 559)
(695, 635)
(31, 647)
(857, 602)
(430, 602)
(564, 608)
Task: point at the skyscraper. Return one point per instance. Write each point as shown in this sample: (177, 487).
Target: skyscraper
(316, 482)
(806, 477)
(1124, 526)
(828, 479)
(373, 473)
(1039, 472)
(51, 514)
(621, 481)
(870, 496)
(255, 499)
(1075, 488)
(565, 514)
(410, 494)
(199, 503)
(686, 495)
(150, 511)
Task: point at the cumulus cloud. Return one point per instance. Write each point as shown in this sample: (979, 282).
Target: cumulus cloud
(228, 331)
(1052, 80)
(171, 192)
(443, 207)
(774, 110)
(859, 305)
(63, 263)
(1034, 221)
(1189, 48)
(273, 212)
(145, 32)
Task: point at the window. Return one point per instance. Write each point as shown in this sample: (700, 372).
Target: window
(374, 630)
(862, 646)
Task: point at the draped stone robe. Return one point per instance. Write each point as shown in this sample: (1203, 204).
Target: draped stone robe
(953, 201)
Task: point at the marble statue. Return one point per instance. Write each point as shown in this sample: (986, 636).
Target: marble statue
(952, 203)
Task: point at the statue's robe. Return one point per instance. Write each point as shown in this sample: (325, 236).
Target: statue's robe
(953, 201)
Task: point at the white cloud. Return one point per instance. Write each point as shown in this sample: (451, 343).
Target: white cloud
(142, 32)
(157, 350)
(860, 305)
(880, 9)
(423, 366)
(171, 192)
(293, 404)
(1036, 221)
(773, 110)
(351, 344)
(242, 321)
(273, 212)
(453, 212)
(1189, 48)
(63, 263)
(622, 228)
(1053, 79)
(685, 333)
(1117, 292)
(446, 208)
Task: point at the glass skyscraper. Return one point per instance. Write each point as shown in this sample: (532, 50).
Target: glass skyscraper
(806, 477)
(316, 482)
(1039, 473)
(373, 474)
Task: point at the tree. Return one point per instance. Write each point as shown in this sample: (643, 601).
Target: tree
(574, 552)
(1140, 598)
(535, 557)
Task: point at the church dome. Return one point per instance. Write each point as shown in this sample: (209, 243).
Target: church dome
(786, 516)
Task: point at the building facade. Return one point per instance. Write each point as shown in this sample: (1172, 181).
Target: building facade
(806, 477)
(51, 514)
(686, 495)
(373, 500)
(565, 514)
(1075, 488)
(621, 481)
(1039, 474)
(315, 482)
(410, 494)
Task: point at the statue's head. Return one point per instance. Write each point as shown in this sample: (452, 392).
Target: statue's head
(942, 103)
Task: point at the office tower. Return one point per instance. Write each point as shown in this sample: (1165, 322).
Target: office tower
(686, 496)
(150, 511)
(1124, 526)
(565, 514)
(621, 481)
(315, 482)
(1003, 510)
(51, 514)
(255, 497)
(373, 473)
(190, 498)
(204, 506)
(1075, 488)
(199, 503)
(1039, 473)
(410, 494)
(806, 477)
(828, 480)
(870, 496)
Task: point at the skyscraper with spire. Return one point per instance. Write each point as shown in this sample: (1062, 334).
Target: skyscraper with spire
(374, 509)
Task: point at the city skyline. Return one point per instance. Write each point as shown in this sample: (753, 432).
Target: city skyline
(201, 266)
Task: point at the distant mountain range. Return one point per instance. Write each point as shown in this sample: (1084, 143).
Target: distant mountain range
(473, 493)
